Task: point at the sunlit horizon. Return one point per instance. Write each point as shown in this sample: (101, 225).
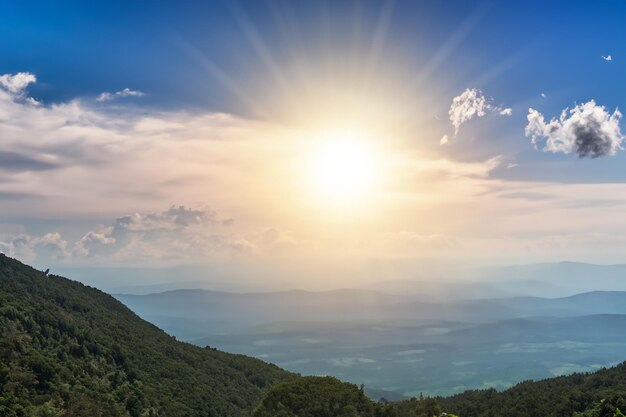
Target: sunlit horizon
(378, 133)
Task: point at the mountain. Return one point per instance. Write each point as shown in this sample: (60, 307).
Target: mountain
(437, 359)
(565, 278)
(193, 314)
(71, 350)
(596, 394)
(551, 280)
(318, 397)
(146, 280)
(396, 345)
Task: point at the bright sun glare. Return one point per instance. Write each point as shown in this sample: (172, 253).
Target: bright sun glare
(343, 166)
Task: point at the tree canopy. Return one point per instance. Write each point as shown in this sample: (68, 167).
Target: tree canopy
(67, 349)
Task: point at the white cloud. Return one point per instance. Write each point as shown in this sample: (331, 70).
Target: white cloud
(47, 247)
(80, 163)
(444, 140)
(127, 92)
(543, 95)
(471, 104)
(445, 168)
(15, 84)
(607, 58)
(587, 130)
(350, 361)
(175, 234)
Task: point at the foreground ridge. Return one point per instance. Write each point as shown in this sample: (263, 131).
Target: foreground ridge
(67, 349)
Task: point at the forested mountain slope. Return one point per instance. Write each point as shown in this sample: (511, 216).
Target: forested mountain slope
(71, 350)
(596, 394)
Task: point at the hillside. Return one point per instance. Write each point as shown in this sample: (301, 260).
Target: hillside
(71, 350)
(599, 394)
(595, 394)
(399, 346)
(318, 397)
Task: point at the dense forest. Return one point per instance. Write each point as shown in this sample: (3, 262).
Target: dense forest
(598, 394)
(329, 397)
(318, 397)
(70, 350)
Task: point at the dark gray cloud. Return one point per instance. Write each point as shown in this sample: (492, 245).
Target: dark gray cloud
(10, 196)
(591, 142)
(19, 162)
(587, 130)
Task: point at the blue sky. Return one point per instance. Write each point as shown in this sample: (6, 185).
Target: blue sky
(194, 122)
(171, 50)
(82, 48)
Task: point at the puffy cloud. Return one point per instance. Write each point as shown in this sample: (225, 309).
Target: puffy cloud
(94, 240)
(86, 162)
(127, 92)
(607, 58)
(178, 233)
(15, 84)
(48, 247)
(543, 95)
(444, 140)
(588, 130)
(471, 104)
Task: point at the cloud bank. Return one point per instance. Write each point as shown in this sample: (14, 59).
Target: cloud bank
(588, 130)
(75, 167)
(174, 234)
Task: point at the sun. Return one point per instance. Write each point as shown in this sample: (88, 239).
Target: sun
(343, 166)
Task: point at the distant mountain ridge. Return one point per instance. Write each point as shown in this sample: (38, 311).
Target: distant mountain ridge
(221, 311)
(398, 344)
(70, 350)
(556, 279)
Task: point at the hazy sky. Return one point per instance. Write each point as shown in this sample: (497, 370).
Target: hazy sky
(312, 138)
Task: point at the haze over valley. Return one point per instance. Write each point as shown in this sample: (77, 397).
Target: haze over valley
(403, 336)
